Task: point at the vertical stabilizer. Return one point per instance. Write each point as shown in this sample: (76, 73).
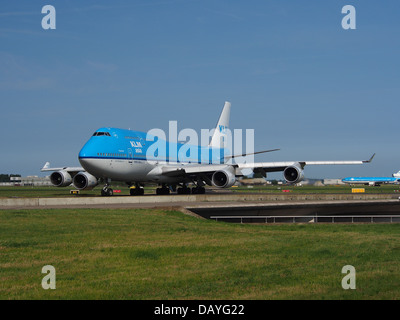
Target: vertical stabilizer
(219, 136)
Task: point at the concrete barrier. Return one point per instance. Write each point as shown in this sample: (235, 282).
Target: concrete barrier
(20, 202)
(174, 199)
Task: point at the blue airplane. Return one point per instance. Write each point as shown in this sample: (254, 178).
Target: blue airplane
(373, 181)
(137, 158)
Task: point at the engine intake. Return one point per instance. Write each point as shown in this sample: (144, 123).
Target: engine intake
(60, 178)
(85, 181)
(224, 178)
(293, 174)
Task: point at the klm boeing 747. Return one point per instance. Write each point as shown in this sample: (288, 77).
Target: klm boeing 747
(138, 158)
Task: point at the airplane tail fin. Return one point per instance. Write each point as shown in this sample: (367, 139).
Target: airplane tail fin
(219, 136)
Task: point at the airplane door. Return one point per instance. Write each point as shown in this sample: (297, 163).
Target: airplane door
(130, 155)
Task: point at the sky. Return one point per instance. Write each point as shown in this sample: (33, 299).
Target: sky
(291, 71)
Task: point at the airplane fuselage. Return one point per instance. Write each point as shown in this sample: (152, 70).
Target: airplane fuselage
(128, 155)
(370, 180)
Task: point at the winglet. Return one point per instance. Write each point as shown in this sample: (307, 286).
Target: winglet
(46, 166)
(370, 159)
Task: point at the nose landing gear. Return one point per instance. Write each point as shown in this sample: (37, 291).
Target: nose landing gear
(107, 191)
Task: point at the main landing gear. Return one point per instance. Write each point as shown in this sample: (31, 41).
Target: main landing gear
(137, 190)
(164, 190)
(198, 190)
(194, 190)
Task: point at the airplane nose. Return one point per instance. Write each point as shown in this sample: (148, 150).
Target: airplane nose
(87, 150)
(82, 153)
(84, 162)
(85, 155)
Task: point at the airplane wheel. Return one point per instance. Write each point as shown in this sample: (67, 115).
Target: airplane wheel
(198, 190)
(107, 192)
(137, 192)
(162, 191)
(183, 190)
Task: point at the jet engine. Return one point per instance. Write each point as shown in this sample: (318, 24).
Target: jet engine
(60, 178)
(293, 174)
(224, 178)
(85, 181)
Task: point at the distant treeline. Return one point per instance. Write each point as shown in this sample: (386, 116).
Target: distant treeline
(6, 177)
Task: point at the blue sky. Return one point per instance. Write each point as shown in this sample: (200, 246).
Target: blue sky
(290, 70)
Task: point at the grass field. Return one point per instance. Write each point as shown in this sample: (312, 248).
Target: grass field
(158, 254)
(46, 192)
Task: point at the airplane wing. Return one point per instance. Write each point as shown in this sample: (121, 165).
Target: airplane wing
(189, 171)
(46, 167)
(61, 176)
(293, 170)
(280, 166)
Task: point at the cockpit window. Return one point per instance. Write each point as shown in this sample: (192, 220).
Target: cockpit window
(98, 133)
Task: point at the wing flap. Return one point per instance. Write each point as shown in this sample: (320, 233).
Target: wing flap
(178, 171)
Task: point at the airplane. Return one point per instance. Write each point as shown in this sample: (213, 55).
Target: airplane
(373, 181)
(131, 156)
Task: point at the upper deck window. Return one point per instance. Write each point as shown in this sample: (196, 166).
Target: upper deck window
(96, 134)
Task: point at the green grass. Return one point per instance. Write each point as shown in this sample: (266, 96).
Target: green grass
(46, 192)
(158, 254)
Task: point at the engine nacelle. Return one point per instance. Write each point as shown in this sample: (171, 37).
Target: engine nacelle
(293, 174)
(85, 181)
(60, 178)
(224, 178)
